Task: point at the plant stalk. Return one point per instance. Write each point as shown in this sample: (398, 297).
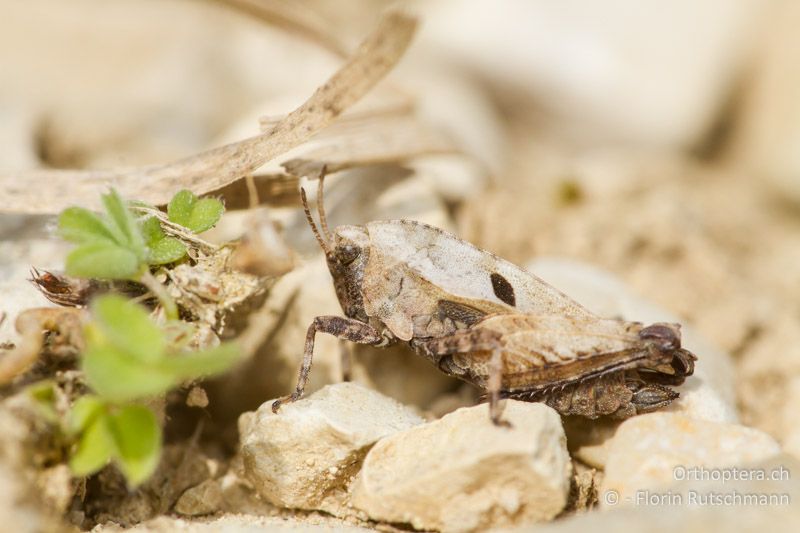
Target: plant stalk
(159, 291)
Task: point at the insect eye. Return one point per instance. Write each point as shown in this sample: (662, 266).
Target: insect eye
(347, 254)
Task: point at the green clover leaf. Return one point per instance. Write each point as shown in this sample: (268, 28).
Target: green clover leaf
(163, 249)
(79, 225)
(43, 394)
(167, 250)
(95, 448)
(128, 326)
(129, 435)
(111, 245)
(83, 413)
(196, 214)
(102, 260)
(137, 436)
(127, 356)
(123, 225)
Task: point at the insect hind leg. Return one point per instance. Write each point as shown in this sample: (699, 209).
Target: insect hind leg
(343, 328)
(441, 349)
(494, 387)
(648, 397)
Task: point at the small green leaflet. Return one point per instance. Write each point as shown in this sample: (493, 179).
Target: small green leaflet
(95, 448)
(163, 249)
(129, 435)
(137, 436)
(115, 245)
(127, 356)
(110, 245)
(196, 214)
(102, 260)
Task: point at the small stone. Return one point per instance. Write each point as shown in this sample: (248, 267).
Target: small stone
(55, 487)
(454, 177)
(304, 456)
(197, 397)
(791, 418)
(765, 141)
(205, 498)
(583, 62)
(687, 507)
(238, 523)
(589, 440)
(653, 450)
(462, 473)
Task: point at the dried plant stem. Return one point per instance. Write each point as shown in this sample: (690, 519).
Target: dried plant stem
(159, 291)
(50, 191)
(176, 230)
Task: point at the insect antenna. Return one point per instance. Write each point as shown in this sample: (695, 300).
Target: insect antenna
(323, 220)
(324, 245)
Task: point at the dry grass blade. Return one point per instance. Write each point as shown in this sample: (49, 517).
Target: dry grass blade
(50, 191)
(274, 189)
(384, 135)
(176, 230)
(370, 140)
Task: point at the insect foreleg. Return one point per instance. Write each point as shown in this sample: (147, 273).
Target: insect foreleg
(341, 327)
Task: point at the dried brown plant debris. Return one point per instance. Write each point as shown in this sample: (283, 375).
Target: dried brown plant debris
(50, 191)
(65, 328)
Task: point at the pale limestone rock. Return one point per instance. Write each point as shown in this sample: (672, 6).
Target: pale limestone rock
(24, 242)
(768, 132)
(25, 503)
(237, 523)
(766, 377)
(453, 177)
(56, 488)
(791, 419)
(681, 514)
(306, 455)
(708, 394)
(462, 473)
(653, 450)
(205, 498)
(603, 72)
(589, 440)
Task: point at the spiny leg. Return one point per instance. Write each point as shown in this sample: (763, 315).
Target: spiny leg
(341, 327)
(346, 362)
(494, 386)
(466, 342)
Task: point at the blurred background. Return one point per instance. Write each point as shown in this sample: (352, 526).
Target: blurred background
(659, 141)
